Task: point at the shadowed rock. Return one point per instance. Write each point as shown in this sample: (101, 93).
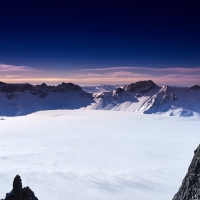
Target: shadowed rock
(10, 88)
(119, 90)
(141, 86)
(19, 193)
(195, 87)
(190, 188)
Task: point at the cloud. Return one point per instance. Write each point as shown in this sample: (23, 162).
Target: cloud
(114, 75)
(176, 76)
(13, 76)
(145, 70)
(13, 68)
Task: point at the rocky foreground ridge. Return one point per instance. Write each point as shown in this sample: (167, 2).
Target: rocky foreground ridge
(20, 193)
(190, 188)
(142, 96)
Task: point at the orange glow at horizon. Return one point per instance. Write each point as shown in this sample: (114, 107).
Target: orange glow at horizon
(100, 81)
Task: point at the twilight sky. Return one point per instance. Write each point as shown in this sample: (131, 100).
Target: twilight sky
(100, 42)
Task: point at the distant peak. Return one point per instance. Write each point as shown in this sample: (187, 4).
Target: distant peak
(195, 87)
(72, 84)
(44, 85)
(2, 83)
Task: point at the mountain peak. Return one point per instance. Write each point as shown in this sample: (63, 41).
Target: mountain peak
(195, 87)
(2, 83)
(43, 85)
(141, 86)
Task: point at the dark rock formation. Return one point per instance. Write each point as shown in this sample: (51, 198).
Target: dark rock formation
(41, 90)
(17, 185)
(119, 90)
(10, 88)
(195, 87)
(141, 86)
(19, 193)
(190, 188)
(2, 83)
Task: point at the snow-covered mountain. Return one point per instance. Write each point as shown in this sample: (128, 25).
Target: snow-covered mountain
(143, 96)
(22, 99)
(147, 97)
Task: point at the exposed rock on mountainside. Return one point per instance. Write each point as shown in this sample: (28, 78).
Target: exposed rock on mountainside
(195, 87)
(22, 99)
(141, 86)
(162, 101)
(119, 90)
(41, 90)
(100, 88)
(2, 83)
(10, 88)
(190, 188)
(19, 193)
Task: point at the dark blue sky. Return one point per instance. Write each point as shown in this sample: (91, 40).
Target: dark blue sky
(69, 35)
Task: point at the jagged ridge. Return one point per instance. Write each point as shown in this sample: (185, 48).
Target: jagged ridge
(22, 99)
(147, 97)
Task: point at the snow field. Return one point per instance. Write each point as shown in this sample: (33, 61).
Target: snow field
(101, 155)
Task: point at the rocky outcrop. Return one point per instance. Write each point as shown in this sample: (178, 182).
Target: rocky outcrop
(2, 83)
(41, 90)
(20, 193)
(195, 87)
(23, 99)
(10, 88)
(190, 188)
(119, 90)
(141, 86)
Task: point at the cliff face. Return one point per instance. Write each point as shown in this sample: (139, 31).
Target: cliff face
(190, 188)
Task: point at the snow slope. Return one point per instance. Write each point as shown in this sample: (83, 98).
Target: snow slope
(87, 155)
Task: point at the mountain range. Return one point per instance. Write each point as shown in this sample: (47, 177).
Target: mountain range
(143, 97)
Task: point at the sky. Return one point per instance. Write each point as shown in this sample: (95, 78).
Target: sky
(100, 42)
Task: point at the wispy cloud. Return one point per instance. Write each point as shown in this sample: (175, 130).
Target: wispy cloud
(144, 70)
(13, 76)
(13, 68)
(175, 76)
(114, 75)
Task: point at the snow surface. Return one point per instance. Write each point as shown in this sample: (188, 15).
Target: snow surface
(97, 155)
